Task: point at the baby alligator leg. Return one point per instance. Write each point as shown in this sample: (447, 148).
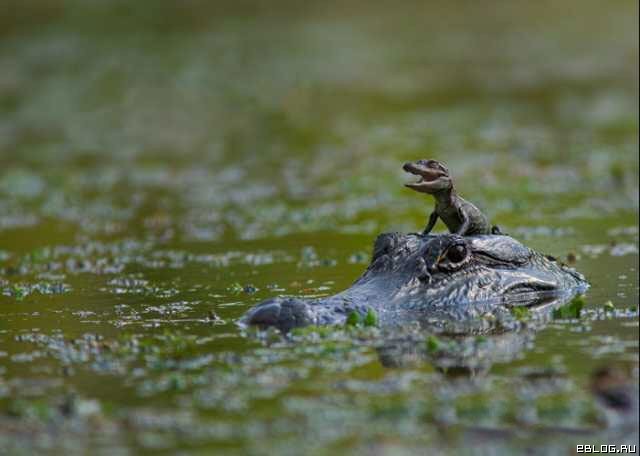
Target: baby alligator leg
(433, 218)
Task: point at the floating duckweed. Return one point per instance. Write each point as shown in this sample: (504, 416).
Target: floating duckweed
(571, 310)
(22, 290)
(19, 292)
(40, 255)
(371, 318)
(250, 289)
(235, 288)
(353, 319)
(177, 382)
(322, 331)
(359, 257)
(520, 312)
(433, 344)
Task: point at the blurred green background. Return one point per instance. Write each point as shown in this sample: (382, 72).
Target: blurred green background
(164, 161)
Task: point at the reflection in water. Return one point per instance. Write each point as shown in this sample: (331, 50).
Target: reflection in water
(455, 353)
(472, 355)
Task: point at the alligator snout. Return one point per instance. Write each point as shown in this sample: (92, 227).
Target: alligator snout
(408, 166)
(282, 313)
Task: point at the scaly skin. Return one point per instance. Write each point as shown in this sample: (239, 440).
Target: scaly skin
(459, 215)
(445, 277)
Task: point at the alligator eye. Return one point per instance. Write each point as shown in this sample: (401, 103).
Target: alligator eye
(457, 253)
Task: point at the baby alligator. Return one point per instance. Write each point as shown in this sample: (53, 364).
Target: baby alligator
(460, 216)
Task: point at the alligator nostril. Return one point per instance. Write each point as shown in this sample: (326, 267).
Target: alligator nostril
(424, 276)
(266, 314)
(283, 313)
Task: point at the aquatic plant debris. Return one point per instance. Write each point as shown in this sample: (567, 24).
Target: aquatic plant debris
(572, 310)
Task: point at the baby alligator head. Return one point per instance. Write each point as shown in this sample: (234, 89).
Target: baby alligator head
(433, 176)
(443, 277)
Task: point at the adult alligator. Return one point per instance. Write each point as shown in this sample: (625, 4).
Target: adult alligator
(444, 277)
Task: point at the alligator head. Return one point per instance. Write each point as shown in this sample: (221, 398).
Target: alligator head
(433, 176)
(425, 278)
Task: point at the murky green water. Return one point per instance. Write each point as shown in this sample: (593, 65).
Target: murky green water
(164, 166)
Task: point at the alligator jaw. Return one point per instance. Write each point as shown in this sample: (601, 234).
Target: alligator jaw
(425, 173)
(430, 179)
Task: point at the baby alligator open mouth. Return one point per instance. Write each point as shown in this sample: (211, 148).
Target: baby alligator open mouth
(424, 173)
(433, 176)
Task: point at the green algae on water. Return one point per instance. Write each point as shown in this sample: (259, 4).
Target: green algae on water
(371, 318)
(353, 319)
(520, 312)
(433, 344)
(571, 310)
